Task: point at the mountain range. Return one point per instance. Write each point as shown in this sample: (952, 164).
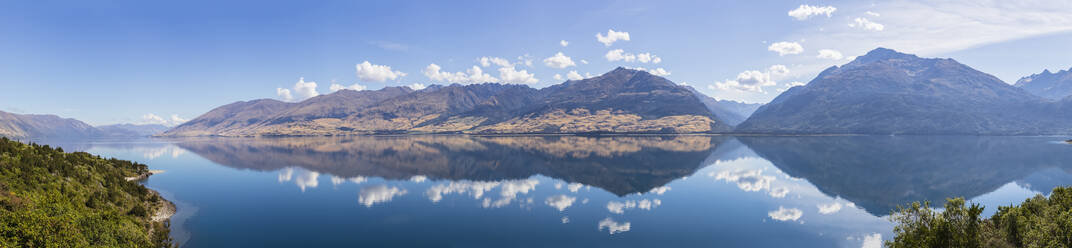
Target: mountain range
(50, 126)
(620, 101)
(887, 92)
(1053, 86)
(883, 92)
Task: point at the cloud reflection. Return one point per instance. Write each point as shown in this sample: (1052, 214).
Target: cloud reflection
(620, 207)
(372, 195)
(508, 190)
(560, 202)
(304, 179)
(613, 226)
(786, 214)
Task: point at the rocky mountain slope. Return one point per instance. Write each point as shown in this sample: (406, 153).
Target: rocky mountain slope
(887, 92)
(1053, 86)
(44, 126)
(620, 101)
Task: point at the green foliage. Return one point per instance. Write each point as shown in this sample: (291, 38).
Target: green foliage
(49, 198)
(1037, 222)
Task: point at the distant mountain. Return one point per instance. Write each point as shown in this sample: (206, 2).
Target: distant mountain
(132, 130)
(1053, 86)
(620, 101)
(887, 92)
(732, 112)
(44, 126)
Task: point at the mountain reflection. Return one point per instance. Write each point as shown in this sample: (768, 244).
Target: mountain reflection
(879, 173)
(620, 165)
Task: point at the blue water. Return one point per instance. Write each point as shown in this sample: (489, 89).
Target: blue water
(531, 191)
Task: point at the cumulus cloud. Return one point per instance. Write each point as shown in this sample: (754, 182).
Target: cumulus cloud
(557, 77)
(376, 73)
(622, 55)
(559, 60)
(619, 55)
(417, 86)
(752, 80)
(472, 75)
(488, 61)
(301, 91)
(573, 75)
(151, 118)
(872, 14)
(378, 194)
(644, 204)
(564, 43)
(584, 61)
(791, 85)
(560, 202)
(786, 214)
(284, 94)
(807, 11)
(829, 208)
(779, 192)
(611, 37)
(336, 87)
(872, 241)
(829, 54)
(514, 76)
(657, 71)
(613, 226)
(866, 24)
(786, 48)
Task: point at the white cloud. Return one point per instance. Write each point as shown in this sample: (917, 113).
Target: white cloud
(472, 75)
(584, 61)
(644, 204)
(829, 208)
(779, 192)
(376, 73)
(418, 178)
(872, 14)
(284, 94)
(611, 37)
(752, 80)
(786, 214)
(747, 81)
(786, 48)
(557, 77)
(619, 55)
(151, 118)
(829, 54)
(337, 87)
(622, 55)
(866, 24)
(573, 75)
(488, 61)
(378, 194)
(657, 71)
(872, 241)
(791, 85)
(932, 27)
(560, 202)
(564, 43)
(559, 60)
(778, 69)
(807, 11)
(613, 226)
(513, 76)
(417, 86)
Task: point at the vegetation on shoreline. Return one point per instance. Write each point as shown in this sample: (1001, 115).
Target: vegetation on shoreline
(49, 198)
(1037, 222)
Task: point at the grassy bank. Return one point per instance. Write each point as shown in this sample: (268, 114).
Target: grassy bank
(49, 198)
(1037, 222)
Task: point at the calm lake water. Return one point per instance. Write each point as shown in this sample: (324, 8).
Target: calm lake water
(569, 191)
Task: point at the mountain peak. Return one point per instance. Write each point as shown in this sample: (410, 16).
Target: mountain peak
(881, 54)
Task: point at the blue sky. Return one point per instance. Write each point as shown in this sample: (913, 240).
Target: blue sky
(107, 62)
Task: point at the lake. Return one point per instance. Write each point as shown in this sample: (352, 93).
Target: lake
(575, 191)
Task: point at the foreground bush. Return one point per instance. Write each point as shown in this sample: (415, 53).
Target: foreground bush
(49, 198)
(1037, 222)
